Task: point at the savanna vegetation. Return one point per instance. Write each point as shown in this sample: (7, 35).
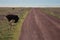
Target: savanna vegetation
(52, 11)
(11, 32)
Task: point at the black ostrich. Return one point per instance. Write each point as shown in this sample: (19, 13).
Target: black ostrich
(12, 17)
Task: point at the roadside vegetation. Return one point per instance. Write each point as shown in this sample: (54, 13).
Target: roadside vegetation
(8, 32)
(52, 11)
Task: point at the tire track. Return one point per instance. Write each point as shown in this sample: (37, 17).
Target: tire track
(38, 26)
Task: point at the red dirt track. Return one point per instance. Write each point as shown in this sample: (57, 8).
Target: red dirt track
(40, 26)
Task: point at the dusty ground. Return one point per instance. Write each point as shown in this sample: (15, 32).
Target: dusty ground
(40, 26)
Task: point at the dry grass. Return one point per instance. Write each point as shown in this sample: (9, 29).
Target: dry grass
(8, 32)
(52, 11)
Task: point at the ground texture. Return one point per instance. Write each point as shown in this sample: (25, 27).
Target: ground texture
(40, 26)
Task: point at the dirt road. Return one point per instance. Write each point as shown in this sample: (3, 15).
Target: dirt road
(40, 26)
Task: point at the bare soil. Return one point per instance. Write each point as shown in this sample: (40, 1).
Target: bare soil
(40, 26)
